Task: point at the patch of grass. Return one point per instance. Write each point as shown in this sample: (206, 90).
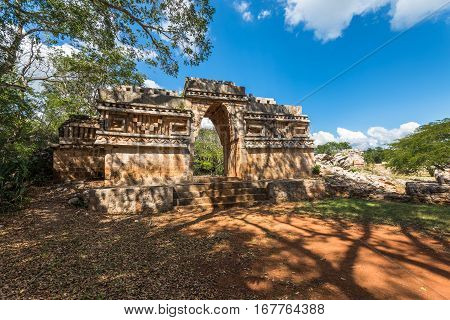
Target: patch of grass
(429, 218)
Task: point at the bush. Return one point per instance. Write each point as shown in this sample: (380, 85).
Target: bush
(24, 156)
(316, 170)
(331, 148)
(13, 182)
(374, 155)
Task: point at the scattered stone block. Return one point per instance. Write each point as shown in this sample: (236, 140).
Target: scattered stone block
(130, 200)
(295, 190)
(442, 176)
(429, 192)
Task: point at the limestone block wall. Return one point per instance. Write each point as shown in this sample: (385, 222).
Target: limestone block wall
(78, 163)
(130, 200)
(277, 163)
(128, 165)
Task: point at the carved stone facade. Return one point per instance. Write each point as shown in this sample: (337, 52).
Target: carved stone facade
(146, 136)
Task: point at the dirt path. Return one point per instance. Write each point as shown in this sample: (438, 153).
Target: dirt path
(55, 251)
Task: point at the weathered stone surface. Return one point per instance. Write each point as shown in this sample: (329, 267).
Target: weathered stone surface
(130, 200)
(429, 192)
(397, 197)
(442, 176)
(79, 163)
(349, 159)
(295, 190)
(345, 159)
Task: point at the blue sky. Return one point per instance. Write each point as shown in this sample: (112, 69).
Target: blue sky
(297, 45)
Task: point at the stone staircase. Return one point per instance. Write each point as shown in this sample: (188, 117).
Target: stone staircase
(219, 193)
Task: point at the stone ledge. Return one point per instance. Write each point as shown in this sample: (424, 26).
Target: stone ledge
(129, 200)
(429, 192)
(295, 190)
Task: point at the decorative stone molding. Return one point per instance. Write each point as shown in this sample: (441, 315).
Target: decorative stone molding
(278, 143)
(113, 138)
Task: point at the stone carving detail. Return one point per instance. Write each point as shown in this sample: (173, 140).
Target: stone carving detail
(276, 131)
(143, 125)
(279, 143)
(142, 140)
(78, 130)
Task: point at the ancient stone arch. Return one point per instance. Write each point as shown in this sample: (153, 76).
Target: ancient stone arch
(220, 117)
(145, 136)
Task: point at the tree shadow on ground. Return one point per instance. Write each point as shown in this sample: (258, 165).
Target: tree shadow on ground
(55, 251)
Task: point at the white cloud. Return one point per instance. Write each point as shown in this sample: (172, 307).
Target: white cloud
(206, 123)
(243, 7)
(263, 14)
(323, 137)
(34, 60)
(247, 16)
(405, 13)
(151, 84)
(328, 18)
(375, 136)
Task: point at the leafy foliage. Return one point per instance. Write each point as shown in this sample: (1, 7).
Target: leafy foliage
(316, 170)
(19, 136)
(208, 153)
(374, 155)
(160, 33)
(76, 80)
(106, 41)
(331, 148)
(427, 147)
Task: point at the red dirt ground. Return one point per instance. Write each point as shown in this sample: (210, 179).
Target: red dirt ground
(54, 251)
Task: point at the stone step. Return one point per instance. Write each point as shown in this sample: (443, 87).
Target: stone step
(218, 193)
(220, 200)
(209, 179)
(204, 186)
(219, 206)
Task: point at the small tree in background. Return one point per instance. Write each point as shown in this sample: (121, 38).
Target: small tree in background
(208, 153)
(375, 155)
(427, 148)
(331, 148)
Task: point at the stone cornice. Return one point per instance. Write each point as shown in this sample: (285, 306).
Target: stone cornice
(144, 109)
(278, 143)
(141, 140)
(275, 116)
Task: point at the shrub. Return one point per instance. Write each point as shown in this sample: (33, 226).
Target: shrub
(331, 148)
(374, 155)
(316, 170)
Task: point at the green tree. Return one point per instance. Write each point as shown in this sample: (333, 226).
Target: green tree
(161, 33)
(427, 148)
(107, 39)
(331, 148)
(208, 153)
(76, 78)
(374, 155)
(19, 136)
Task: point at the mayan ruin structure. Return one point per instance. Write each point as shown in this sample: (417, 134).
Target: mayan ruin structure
(141, 146)
(145, 136)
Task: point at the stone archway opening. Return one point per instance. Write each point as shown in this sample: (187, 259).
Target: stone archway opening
(212, 145)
